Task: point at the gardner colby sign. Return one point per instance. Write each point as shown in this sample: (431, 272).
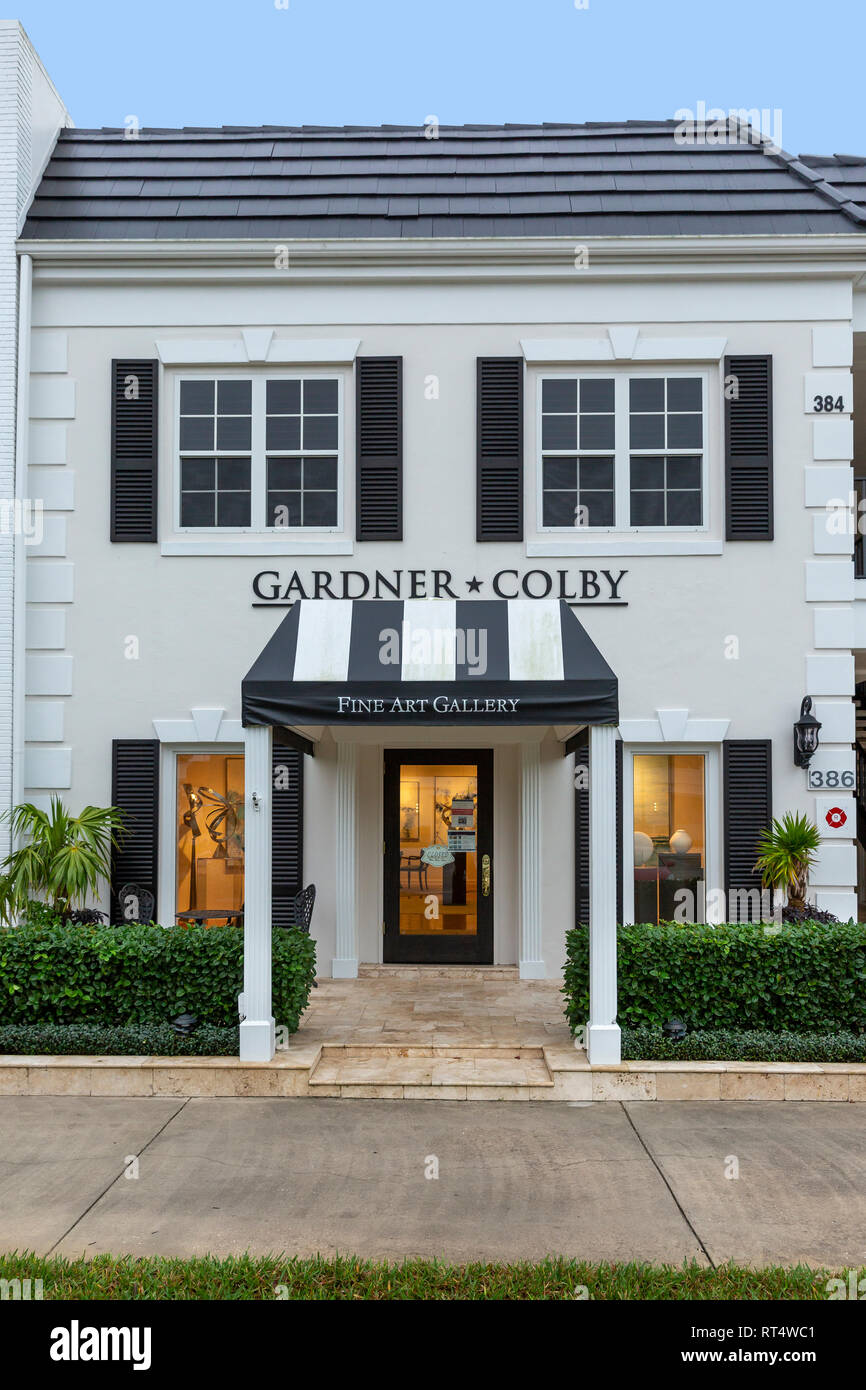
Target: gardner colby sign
(278, 588)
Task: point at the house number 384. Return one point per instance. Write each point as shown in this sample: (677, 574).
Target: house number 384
(825, 404)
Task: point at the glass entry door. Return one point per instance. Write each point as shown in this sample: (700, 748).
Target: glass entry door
(438, 856)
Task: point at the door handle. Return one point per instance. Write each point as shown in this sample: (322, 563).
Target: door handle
(485, 875)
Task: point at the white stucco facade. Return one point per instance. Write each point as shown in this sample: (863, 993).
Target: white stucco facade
(721, 642)
(712, 640)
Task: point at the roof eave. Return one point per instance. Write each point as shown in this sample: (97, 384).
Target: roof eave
(840, 253)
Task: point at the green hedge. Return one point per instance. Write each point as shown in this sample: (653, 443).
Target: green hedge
(124, 1040)
(734, 1045)
(136, 973)
(802, 978)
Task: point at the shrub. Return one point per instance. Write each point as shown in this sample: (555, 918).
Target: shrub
(804, 978)
(125, 1040)
(52, 972)
(733, 1045)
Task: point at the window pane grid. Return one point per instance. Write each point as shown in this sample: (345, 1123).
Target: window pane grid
(660, 494)
(665, 431)
(303, 492)
(215, 491)
(578, 491)
(578, 413)
(223, 424)
(302, 434)
(627, 423)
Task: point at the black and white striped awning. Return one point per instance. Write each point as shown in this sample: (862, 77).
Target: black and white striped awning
(430, 661)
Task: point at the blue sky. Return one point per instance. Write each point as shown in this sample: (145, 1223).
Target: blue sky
(368, 62)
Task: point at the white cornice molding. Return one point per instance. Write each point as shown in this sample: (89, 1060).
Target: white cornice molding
(430, 258)
(256, 345)
(623, 344)
(206, 724)
(673, 726)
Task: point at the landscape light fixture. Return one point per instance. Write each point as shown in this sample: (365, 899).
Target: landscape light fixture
(674, 1030)
(185, 1024)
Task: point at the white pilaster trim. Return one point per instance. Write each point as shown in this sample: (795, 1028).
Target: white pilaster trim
(257, 1028)
(531, 959)
(19, 561)
(344, 965)
(603, 1034)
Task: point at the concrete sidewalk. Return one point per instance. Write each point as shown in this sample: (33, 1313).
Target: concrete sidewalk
(644, 1181)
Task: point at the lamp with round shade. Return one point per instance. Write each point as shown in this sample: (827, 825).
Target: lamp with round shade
(643, 847)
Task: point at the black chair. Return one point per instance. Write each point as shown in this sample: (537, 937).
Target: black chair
(302, 907)
(413, 864)
(135, 904)
(302, 911)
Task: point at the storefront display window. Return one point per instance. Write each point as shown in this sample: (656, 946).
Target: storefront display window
(669, 837)
(210, 837)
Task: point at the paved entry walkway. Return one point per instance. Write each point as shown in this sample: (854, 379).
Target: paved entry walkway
(759, 1183)
(448, 1006)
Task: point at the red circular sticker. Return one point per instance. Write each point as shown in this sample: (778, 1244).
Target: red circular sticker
(836, 817)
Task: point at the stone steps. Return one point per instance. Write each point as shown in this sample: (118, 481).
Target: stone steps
(392, 1072)
(438, 972)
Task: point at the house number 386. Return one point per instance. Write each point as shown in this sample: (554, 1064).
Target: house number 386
(830, 779)
(825, 404)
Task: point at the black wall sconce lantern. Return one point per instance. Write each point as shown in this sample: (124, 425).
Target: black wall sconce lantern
(805, 734)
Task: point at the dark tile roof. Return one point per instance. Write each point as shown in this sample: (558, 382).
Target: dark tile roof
(280, 183)
(846, 172)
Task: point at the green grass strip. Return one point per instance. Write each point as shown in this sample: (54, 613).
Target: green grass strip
(108, 1277)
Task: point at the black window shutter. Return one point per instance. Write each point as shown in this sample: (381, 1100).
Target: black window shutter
(581, 827)
(135, 791)
(287, 832)
(134, 463)
(748, 797)
(379, 448)
(580, 743)
(499, 442)
(749, 449)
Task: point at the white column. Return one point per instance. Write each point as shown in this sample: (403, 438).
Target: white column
(344, 966)
(257, 1028)
(531, 962)
(603, 1035)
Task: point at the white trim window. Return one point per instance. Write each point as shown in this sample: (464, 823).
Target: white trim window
(622, 451)
(261, 453)
(658, 862)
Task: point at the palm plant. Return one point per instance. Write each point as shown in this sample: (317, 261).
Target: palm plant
(60, 856)
(786, 853)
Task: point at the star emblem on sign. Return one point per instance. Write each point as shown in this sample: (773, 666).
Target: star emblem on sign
(473, 584)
